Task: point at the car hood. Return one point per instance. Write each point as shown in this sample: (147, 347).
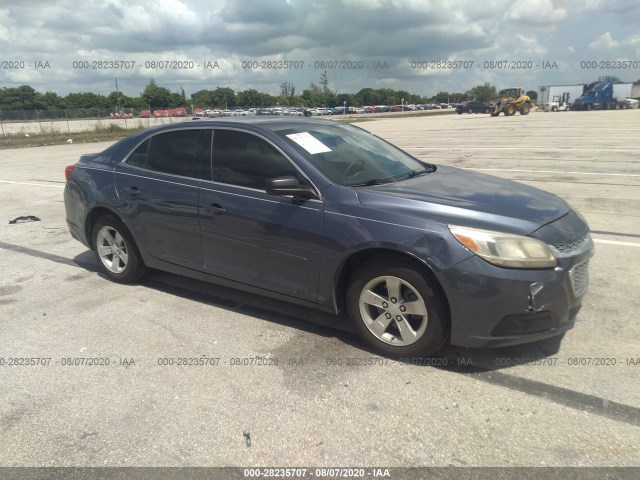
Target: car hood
(462, 197)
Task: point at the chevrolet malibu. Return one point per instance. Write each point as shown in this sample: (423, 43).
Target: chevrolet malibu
(328, 215)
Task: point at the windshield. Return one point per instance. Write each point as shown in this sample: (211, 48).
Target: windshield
(511, 92)
(351, 156)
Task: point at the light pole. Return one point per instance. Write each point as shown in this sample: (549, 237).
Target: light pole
(402, 104)
(344, 105)
(117, 96)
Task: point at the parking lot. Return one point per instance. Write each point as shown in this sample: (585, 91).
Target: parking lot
(282, 385)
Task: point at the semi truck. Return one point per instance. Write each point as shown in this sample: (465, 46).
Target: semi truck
(603, 95)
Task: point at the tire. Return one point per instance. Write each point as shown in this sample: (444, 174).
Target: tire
(554, 109)
(495, 114)
(459, 112)
(115, 250)
(525, 108)
(370, 296)
(509, 110)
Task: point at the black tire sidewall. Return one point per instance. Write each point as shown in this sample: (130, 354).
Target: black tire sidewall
(135, 267)
(436, 331)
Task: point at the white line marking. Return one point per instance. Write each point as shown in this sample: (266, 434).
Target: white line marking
(532, 148)
(554, 171)
(34, 184)
(615, 242)
(596, 240)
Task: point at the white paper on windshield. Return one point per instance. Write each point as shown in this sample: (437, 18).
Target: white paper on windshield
(310, 143)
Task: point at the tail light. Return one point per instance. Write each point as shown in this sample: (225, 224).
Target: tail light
(69, 170)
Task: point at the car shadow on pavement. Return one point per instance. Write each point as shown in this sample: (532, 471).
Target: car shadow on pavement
(264, 308)
(451, 358)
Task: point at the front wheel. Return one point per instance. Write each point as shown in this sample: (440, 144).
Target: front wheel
(116, 251)
(395, 308)
(509, 110)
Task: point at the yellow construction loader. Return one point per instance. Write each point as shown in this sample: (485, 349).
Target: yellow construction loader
(511, 100)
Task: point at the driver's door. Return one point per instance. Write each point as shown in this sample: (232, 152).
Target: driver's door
(268, 241)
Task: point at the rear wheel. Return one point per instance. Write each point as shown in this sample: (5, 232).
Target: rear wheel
(395, 308)
(116, 251)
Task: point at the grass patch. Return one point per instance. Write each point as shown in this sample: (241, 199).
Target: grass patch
(370, 117)
(98, 134)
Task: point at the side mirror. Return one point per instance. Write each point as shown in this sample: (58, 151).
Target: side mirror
(289, 186)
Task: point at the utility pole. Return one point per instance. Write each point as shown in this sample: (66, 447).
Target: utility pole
(117, 96)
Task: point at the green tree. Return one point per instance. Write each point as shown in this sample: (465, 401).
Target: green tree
(366, 96)
(21, 98)
(442, 97)
(324, 82)
(156, 96)
(87, 100)
(224, 97)
(483, 93)
(287, 89)
(250, 98)
(202, 99)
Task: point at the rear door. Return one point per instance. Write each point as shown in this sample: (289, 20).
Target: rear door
(158, 190)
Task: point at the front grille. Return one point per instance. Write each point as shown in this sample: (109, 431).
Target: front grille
(569, 247)
(580, 278)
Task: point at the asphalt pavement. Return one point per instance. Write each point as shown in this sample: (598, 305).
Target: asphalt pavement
(272, 384)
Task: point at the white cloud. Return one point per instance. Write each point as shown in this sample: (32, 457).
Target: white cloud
(529, 45)
(232, 31)
(536, 12)
(606, 43)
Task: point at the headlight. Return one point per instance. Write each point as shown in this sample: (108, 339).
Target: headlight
(505, 249)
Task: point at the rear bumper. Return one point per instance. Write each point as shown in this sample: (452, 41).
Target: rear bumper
(76, 216)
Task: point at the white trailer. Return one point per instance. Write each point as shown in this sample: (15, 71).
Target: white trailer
(622, 91)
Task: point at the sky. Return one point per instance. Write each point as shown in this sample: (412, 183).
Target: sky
(75, 45)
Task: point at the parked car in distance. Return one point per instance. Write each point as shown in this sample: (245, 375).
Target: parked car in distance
(472, 106)
(328, 215)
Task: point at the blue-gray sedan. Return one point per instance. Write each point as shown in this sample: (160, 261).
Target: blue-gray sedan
(328, 215)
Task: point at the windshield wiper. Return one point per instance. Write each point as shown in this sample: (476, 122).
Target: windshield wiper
(375, 181)
(415, 173)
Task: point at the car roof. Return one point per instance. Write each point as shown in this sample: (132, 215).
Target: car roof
(268, 123)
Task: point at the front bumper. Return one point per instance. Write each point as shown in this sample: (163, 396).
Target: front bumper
(496, 307)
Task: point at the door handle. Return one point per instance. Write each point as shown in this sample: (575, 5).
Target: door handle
(215, 209)
(132, 191)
